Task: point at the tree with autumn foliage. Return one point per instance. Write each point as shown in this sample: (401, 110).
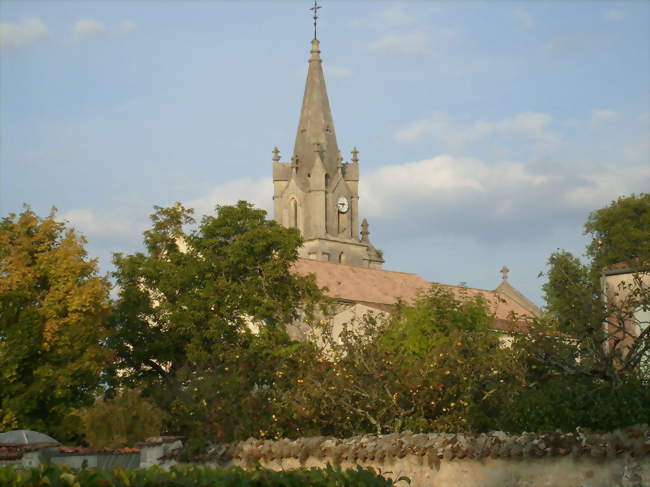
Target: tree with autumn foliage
(53, 304)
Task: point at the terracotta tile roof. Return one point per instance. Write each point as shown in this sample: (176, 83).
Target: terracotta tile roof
(159, 440)
(628, 266)
(10, 455)
(82, 450)
(382, 288)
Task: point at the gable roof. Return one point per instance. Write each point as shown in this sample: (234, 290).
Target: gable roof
(381, 288)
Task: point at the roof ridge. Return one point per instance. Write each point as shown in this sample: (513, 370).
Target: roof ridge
(304, 259)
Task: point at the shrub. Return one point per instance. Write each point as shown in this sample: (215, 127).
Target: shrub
(190, 476)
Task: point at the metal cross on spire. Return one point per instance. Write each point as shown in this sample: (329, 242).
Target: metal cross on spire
(315, 8)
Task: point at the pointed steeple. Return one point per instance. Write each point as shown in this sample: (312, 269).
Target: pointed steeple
(316, 124)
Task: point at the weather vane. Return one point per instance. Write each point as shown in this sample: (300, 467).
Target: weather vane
(315, 8)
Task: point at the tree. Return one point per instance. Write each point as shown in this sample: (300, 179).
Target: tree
(52, 307)
(200, 318)
(587, 354)
(577, 310)
(619, 232)
(122, 420)
(430, 366)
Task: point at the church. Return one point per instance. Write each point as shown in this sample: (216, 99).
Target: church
(317, 192)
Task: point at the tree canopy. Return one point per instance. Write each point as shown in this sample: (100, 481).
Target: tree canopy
(576, 353)
(619, 232)
(52, 309)
(194, 310)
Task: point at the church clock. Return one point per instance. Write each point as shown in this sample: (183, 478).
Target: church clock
(342, 204)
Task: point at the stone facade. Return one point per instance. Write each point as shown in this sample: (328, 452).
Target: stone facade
(317, 192)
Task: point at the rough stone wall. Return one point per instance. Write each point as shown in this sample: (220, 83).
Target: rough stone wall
(581, 459)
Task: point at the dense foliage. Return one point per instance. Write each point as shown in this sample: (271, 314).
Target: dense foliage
(52, 307)
(586, 362)
(122, 420)
(619, 232)
(200, 319)
(197, 341)
(190, 476)
(431, 366)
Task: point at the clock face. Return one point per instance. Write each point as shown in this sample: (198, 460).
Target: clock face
(342, 204)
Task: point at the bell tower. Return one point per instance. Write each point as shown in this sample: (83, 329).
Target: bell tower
(317, 192)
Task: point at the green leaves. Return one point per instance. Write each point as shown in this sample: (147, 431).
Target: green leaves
(200, 319)
(620, 232)
(431, 366)
(191, 476)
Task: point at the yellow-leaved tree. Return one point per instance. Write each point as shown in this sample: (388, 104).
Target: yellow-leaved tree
(52, 307)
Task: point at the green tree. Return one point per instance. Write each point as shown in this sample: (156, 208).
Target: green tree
(619, 232)
(430, 366)
(122, 420)
(576, 308)
(585, 358)
(200, 318)
(52, 308)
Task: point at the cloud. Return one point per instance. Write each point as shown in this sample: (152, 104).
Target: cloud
(614, 14)
(334, 71)
(524, 18)
(532, 125)
(391, 17)
(92, 225)
(409, 43)
(127, 25)
(598, 117)
(87, 28)
(602, 184)
(469, 197)
(259, 192)
(473, 198)
(20, 34)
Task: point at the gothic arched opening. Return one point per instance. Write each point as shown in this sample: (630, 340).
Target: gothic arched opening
(293, 213)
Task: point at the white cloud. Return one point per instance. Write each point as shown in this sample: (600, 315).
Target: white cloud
(393, 16)
(334, 71)
(409, 43)
(601, 116)
(259, 192)
(127, 25)
(440, 179)
(601, 184)
(87, 28)
(22, 33)
(438, 126)
(614, 14)
(492, 201)
(524, 18)
(92, 225)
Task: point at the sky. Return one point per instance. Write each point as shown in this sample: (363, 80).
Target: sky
(487, 131)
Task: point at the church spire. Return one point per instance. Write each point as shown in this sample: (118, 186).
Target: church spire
(316, 124)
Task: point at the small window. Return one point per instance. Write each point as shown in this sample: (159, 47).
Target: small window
(342, 258)
(293, 212)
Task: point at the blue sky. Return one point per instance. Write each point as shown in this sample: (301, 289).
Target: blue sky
(487, 130)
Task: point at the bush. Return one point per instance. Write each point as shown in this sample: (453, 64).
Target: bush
(190, 476)
(122, 421)
(567, 402)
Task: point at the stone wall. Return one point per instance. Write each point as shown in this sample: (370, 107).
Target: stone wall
(581, 459)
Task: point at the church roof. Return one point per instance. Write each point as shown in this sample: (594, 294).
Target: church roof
(316, 125)
(381, 288)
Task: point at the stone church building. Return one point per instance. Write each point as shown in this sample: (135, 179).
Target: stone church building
(318, 193)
